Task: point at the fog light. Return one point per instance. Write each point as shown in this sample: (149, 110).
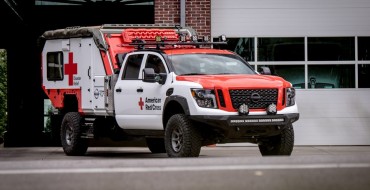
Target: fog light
(243, 109)
(271, 109)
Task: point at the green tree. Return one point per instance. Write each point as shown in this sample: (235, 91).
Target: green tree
(3, 91)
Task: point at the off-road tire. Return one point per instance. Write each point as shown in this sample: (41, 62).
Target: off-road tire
(73, 144)
(182, 139)
(279, 145)
(156, 145)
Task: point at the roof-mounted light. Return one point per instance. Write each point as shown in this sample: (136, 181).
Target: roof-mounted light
(158, 38)
(222, 38)
(205, 38)
(194, 38)
(182, 38)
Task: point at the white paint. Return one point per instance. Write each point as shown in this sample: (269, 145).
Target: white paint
(185, 168)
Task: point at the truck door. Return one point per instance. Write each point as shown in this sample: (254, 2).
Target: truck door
(139, 104)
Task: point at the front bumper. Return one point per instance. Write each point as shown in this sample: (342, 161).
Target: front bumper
(234, 126)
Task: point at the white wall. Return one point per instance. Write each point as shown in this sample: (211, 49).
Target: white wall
(276, 18)
(328, 116)
(333, 117)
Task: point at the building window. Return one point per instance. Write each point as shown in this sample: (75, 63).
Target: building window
(364, 75)
(363, 48)
(55, 64)
(280, 49)
(292, 73)
(331, 48)
(331, 76)
(91, 2)
(242, 46)
(299, 59)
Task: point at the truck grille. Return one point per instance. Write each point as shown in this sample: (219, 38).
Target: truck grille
(254, 98)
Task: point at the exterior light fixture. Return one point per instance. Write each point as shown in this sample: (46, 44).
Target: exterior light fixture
(158, 38)
(182, 38)
(243, 109)
(205, 39)
(271, 109)
(222, 38)
(194, 38)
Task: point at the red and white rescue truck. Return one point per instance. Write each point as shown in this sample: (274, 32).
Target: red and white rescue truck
(164, 84)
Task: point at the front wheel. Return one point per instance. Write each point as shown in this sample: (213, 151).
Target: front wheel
(279, 145)
(182, 139)
(73, 144)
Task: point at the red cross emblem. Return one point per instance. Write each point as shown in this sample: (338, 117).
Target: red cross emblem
(141, 103)
(70, 69)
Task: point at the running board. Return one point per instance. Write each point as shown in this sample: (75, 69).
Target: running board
(88, 128)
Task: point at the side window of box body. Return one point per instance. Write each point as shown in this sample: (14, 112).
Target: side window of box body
(54, 66)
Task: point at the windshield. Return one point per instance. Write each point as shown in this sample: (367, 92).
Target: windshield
(209, 64)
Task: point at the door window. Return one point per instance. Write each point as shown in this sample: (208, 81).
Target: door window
(156, 63)
(132, 69)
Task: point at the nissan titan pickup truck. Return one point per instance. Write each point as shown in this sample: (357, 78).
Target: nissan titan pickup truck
(164, 84)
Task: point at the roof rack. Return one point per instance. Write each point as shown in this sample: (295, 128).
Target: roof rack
(123, 26)
(141, 44)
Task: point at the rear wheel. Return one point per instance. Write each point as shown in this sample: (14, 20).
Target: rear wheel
(279, 145)
(181, 137)
(156, 145)
(73, 144)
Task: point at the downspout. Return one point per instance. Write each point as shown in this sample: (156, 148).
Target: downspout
(182, 13)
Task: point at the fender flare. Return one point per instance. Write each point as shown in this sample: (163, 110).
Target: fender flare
(179, 99)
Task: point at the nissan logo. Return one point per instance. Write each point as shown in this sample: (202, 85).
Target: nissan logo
(255, 97)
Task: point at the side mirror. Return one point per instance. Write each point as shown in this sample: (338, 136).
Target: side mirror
(264, 70)
(150, 76)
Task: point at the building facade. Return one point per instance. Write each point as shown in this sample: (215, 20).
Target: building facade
(321, 47)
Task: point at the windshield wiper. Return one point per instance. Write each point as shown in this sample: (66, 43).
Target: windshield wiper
(194, 74)
(224, 73)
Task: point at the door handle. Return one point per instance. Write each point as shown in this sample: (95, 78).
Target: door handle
(88, 72)
(139, 90)
(118, 90)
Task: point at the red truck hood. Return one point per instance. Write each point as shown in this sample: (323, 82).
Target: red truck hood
(236, 81)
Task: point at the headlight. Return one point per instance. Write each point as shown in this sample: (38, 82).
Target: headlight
(204, 98)
(290, 97)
